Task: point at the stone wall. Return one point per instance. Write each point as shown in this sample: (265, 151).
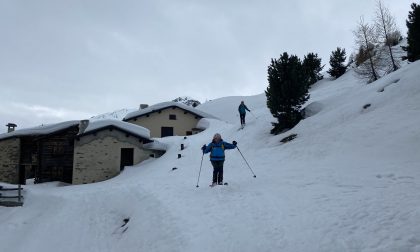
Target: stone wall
(184, 121)
(97, 156)
(9, 160)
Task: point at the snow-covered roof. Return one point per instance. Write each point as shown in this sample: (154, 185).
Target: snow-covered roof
(39, 130)
(164, 105)
(93, 126)
(136, 130)
(156, 145)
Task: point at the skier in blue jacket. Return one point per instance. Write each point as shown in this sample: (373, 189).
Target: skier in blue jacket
(242, 112)
(217, 156)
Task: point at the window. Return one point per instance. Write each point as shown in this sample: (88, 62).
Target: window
(172, 117)
(167, 131)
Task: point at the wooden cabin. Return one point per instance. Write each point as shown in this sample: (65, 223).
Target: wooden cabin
(44, 153)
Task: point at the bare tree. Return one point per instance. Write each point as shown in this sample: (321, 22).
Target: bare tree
(387, 29)
(366, 39)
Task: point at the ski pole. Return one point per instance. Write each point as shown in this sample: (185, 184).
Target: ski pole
(246, 162)
(199, 173)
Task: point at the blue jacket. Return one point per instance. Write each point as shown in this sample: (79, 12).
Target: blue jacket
(217, 150)
(242, 108)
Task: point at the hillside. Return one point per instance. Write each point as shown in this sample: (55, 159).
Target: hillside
(350, 181)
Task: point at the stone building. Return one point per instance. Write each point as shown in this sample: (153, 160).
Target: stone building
(9, 160)
(167, 119)
(105, 147)
(73, 152)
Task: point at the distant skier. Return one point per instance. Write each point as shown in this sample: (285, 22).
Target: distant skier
(242, 112)
(217, 156)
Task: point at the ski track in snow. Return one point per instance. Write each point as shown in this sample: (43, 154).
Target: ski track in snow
(350, 181)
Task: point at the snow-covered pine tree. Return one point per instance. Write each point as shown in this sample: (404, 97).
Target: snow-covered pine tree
(337, 59)
(287, 91)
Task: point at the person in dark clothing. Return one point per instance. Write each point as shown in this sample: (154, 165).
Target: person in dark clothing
(242, 112)
(217, 156)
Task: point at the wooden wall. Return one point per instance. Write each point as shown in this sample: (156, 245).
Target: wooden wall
(55, 156)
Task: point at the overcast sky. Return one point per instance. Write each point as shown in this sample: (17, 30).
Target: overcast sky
(64, 60)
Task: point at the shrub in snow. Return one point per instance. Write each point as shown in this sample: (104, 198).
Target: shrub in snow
(367, 106)
(288, 138)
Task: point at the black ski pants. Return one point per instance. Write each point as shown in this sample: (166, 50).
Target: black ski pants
(217, 171)
(242, 118)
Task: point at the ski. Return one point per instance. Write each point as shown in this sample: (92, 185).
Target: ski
(213, 185)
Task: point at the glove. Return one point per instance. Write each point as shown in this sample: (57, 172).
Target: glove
(203, 148)
(234, 143)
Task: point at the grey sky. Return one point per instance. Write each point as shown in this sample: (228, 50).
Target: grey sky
(63, 60)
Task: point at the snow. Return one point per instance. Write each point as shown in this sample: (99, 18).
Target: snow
(93, 125)
(40, 130)
(128, 127)
(155, 145)
(226, 108)
(203, 123)
(163, 105)
(116, 115)
(350, 181)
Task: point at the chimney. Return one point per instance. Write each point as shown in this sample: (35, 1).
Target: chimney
(83, 124)
(11, 127)
(143, 106)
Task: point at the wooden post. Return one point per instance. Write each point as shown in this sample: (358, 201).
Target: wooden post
(179, 155)
(19, 193)
(182, 146)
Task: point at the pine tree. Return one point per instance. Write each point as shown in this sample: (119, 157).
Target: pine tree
(312, 66)
(287, 91)
(413, 38)
(337, 59)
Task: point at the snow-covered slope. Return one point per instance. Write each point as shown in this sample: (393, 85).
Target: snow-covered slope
(226, 108)
(350, 181)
